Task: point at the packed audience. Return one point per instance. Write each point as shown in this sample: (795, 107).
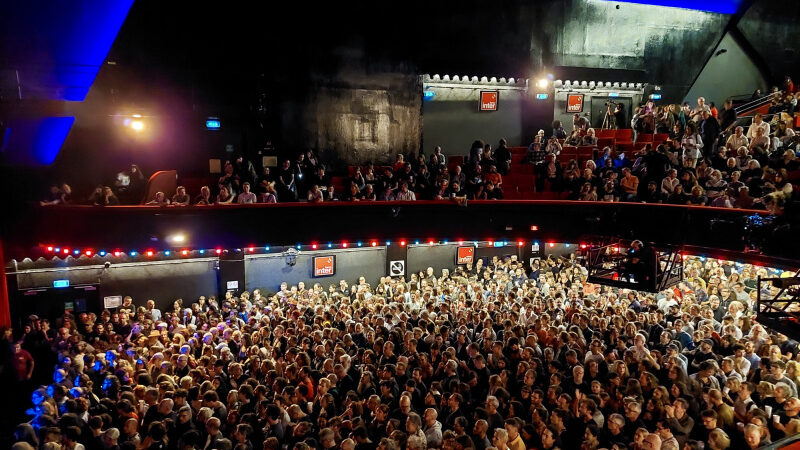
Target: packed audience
(707, 160)
(498, 355)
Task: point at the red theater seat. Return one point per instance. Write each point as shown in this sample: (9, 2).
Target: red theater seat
(516, 150)
(625, 147)
(521, 168)
(165, 181)
(625, 134)
(644, 137)
(459, 160)
(517, 158)
(605, 142)
(660, 137)
(605, 134)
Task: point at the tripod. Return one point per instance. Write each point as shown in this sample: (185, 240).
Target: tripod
(610, 120)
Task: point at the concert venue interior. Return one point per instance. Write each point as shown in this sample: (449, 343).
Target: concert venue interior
(414, 225)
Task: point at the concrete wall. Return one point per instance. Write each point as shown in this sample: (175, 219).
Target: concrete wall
(353, 118)
(770, 26)
(452, 118)
(267, 272)
(731, 73)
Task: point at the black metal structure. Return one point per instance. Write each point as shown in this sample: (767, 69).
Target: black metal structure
(651, 269)
(780, 310)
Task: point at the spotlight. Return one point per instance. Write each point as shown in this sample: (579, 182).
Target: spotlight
(251, 249)
(184, 252)
(402, 243)
(202, 252)
(88, 253)
(542, 83)
(149, 253)
(373, 243)
(102, 253)
(219, 251)
(137, 125)
(134, 253)
(313, 246)
(177, 238)
(551, 244)
(344, 244)
(50, 248)
(166, 252)
(330, 244)
(116, 253)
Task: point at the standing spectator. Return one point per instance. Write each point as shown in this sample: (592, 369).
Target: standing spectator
(727, 118)
(285, 182)
(130, 184)
(244, 170)
(503, 157)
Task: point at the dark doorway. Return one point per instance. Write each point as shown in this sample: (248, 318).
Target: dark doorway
(52, 303)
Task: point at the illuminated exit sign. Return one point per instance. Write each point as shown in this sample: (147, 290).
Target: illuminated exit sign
(60, 283)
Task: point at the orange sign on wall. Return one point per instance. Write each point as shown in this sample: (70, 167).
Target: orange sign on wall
(489, 100)
(465, 255)
(574, 103)
(324, 266)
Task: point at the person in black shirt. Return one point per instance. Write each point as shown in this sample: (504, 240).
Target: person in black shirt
(503, 157)
(619, 116)
(727, 117)
(286, 183)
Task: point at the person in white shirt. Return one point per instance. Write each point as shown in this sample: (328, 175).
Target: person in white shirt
(404, 194)
(758, 123)
(246, 196)
(669, 182)
(736, 140)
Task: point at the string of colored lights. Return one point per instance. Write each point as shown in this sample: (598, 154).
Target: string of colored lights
(151, 252)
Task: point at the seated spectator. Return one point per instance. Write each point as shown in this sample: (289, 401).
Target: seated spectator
(224, 197)
(669, 183)
(493, 192)
(736, 140)
(181, 198)
(697, 197)
(159, 200)
(109, 199)
(353, 194)
(246, 197)
(715, 185)
(494, 177)
(315, 194)
(487, 158)
(759, 146)
(629, 185)
(609, 192)
(725, 200)
(399, 163)
(57, 195)
(458, 176)
(575, 139)
(677, 197)
(758, 124)
(204, 198)
(368, 194)
(358, 179)
(404, 194)
(269, 195)
(229, 179)
(558, 130)
(652, 194)
(455, 190)
(590, 138)
(588, 193)
(548, 173)
(784, 135)
(320, 178)
(479, 193)
(553, 147)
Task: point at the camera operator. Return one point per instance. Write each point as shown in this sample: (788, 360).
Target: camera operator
(619, 115)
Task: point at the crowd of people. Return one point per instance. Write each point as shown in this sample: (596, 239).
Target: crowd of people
(708, 160)
(500, 355)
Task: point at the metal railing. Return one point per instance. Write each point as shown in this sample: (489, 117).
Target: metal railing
(753, 104)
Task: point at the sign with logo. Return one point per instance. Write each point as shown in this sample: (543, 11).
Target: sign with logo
(574, 103)
(232, 285)
(465, 255)
(489, 100)
(397, 268)
(112, 301)
(324, 266)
